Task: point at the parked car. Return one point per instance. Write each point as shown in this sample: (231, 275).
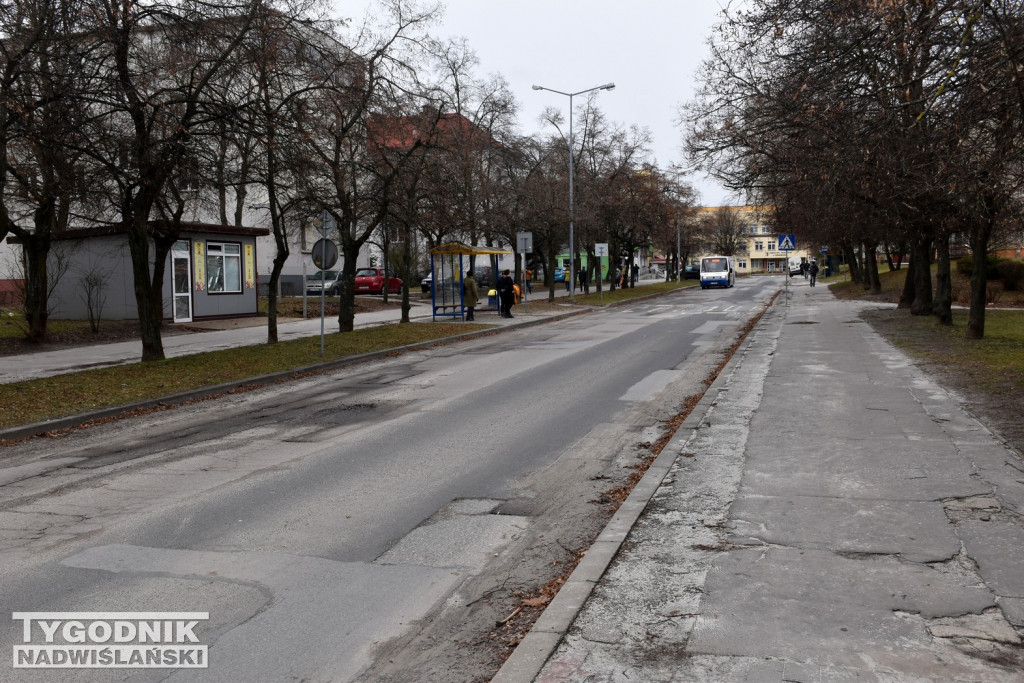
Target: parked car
(426, 283)
(690, 272)
(794, 266)
(326, 281)
(372, 280)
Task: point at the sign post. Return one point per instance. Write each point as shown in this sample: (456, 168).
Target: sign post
(600, 251)
(328, 256)
(787, 243)
(524, 245)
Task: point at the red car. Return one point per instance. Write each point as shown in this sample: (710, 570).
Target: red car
(371, 280)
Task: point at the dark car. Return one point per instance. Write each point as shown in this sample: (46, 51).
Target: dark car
(690, 272)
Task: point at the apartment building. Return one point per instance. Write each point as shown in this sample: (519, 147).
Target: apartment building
(748, 232)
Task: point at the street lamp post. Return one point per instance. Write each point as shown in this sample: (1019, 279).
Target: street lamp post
(572, 246)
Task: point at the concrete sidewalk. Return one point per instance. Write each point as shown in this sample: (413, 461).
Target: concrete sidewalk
(827, 513)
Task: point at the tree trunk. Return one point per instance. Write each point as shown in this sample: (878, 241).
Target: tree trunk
(277, 265)
(908, 294)
(922, 260)
(550, 275)
(407, 261)
(872, 282)
(149, 319)
(347, 304)
(851, 261)
(279, 229)
(942, 307)
(386, 257)
(979, 275)
(36, 304)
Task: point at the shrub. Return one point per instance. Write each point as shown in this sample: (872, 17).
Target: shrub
(965, 265)
(1012, 274)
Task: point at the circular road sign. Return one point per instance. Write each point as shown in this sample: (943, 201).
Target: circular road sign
(325, 254)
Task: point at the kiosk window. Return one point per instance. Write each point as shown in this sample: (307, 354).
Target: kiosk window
(223, 267)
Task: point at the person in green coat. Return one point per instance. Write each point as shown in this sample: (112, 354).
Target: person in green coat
(470, 294)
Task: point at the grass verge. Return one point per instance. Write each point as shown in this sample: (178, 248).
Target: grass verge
(994, 363)
(79, 392)
(987, 373)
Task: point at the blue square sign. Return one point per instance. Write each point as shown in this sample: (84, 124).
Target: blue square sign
(787, 242)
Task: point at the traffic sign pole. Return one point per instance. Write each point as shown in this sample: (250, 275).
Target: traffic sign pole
(787, 243)
(323, 290)
(600, 251)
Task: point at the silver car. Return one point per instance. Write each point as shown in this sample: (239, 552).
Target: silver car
(329, 279)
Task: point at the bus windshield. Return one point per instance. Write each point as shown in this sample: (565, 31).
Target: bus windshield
(714, 265)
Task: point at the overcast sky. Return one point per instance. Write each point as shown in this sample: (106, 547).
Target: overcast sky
(650, 49)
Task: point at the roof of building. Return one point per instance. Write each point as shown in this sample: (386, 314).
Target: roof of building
(186, 228)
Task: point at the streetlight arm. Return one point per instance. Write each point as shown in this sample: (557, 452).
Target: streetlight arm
(572, 246)
(606, 86)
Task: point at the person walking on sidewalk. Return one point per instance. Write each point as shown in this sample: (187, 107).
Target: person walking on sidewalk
(527, 276)
(506, 294)
(471, 295)
(813, 270)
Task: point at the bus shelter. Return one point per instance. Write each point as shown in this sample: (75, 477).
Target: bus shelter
(448, 264)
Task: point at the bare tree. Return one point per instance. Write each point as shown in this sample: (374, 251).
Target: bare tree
(896, 116)
(280, 77)
(41, 90)
(724, 230)
(368, 81)
(159, 81)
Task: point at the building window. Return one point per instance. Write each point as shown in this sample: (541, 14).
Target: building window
(771, 246)
(223, 267)
(765, 230)
(742, 264)
(758, 245)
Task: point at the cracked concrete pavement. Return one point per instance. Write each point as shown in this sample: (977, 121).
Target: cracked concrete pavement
(829, 513)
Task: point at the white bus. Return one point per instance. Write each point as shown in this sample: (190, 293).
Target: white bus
(717, 271)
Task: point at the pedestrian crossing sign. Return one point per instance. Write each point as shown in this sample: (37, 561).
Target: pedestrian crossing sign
(787, 242)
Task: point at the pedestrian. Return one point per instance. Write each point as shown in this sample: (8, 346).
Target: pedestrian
(813, 270)
(506, 294)
(528, 275)
(471, 295)
(804, 267)
(618, 276)
(567, 276)
(583, 281)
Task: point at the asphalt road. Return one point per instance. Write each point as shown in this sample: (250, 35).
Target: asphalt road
(321, 522)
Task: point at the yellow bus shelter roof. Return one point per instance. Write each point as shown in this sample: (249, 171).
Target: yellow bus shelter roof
(466, 249)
